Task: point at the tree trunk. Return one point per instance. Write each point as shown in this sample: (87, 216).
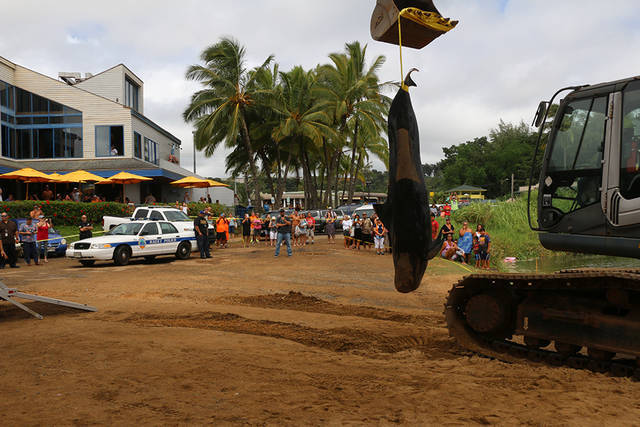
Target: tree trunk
(282, 182)
(352, 166)
(338, 156)
(255, 187)
(246, 188)
(267, 174)
(310, 190)
(352, 183)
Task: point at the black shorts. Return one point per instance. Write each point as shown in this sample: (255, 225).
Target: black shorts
(222, 235)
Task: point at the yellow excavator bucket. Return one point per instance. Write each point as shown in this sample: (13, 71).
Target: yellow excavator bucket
(421, 22)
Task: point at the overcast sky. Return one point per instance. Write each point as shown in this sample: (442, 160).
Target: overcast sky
(502, 59)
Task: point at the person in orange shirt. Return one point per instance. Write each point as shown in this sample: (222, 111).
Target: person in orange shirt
(222, 227)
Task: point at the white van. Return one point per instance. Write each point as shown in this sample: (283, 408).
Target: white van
(368, 209)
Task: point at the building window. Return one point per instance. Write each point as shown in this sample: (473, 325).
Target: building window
(137, 145)
(131, 94)
(151, 151)
(38, 128)
(109, 141)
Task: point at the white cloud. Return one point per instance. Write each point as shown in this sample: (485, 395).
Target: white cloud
(501, 60)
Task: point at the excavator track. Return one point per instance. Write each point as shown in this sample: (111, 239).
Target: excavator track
(556, 315)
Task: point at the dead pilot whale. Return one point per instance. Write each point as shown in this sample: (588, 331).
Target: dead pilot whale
(406, 211)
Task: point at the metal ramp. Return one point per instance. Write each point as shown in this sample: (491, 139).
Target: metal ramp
(8, 294)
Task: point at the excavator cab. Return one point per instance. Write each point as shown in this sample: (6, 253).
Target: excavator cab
(421, 22)
(589, 186)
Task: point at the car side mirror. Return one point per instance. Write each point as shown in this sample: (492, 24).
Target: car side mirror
(540, 113)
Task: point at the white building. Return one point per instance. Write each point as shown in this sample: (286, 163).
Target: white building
(95, 123)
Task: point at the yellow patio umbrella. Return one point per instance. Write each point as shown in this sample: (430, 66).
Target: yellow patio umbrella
(191, 182)
(124, 178)
(81, 176)
(28, 175)
(57, 178)
(213, 183)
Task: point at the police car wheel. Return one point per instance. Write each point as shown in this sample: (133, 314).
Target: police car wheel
(87, 262)
(184, 250)
(121, 255)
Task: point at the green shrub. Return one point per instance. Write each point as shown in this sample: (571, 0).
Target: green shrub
(67, 213)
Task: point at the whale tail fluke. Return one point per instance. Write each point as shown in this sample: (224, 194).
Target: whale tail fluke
(408, 81)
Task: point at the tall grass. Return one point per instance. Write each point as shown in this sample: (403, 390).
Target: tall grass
(507, 225)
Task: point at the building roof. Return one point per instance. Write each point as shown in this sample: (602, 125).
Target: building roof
(149, 173)
(149, 122)
(115, 66)
(464, 187)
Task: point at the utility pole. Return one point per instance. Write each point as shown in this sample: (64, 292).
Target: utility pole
(194, 151)
(512, 186)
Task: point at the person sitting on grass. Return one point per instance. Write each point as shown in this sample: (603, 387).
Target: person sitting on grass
(449, 249)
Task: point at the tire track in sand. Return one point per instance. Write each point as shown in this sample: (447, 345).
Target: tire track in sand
(363, 342)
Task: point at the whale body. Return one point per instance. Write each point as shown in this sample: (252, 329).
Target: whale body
(406, 212)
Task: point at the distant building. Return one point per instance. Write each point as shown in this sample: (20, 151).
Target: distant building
(467, 191)
(291, 199)
(95, 123)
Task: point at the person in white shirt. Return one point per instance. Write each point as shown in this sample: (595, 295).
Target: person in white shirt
(347, 223)
(114, 151)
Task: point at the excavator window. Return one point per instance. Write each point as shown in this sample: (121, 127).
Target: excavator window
(575, 162)
(630, 142)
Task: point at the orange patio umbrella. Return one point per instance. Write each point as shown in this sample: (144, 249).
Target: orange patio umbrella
(124, 178)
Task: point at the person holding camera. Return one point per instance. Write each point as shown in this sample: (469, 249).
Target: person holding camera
(44, 224)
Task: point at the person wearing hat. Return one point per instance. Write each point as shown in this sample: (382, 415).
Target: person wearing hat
(284, 233)
(201, 228)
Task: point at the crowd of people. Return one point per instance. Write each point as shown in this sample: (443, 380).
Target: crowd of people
(466, 246)
(296, 230)
(33, 235)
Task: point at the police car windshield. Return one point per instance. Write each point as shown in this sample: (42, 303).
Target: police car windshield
(128, 229)
(176, 216)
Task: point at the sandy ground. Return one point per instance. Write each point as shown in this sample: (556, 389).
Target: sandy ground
(246, 338)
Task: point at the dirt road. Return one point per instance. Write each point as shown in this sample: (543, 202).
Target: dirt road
(246, 338)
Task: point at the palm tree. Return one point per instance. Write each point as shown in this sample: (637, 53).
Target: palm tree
(304, 120)
(219, 110)
(353, 90)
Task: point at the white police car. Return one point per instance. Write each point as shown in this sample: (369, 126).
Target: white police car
(134, 239)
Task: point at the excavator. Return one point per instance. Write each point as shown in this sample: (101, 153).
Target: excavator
(588, 201)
